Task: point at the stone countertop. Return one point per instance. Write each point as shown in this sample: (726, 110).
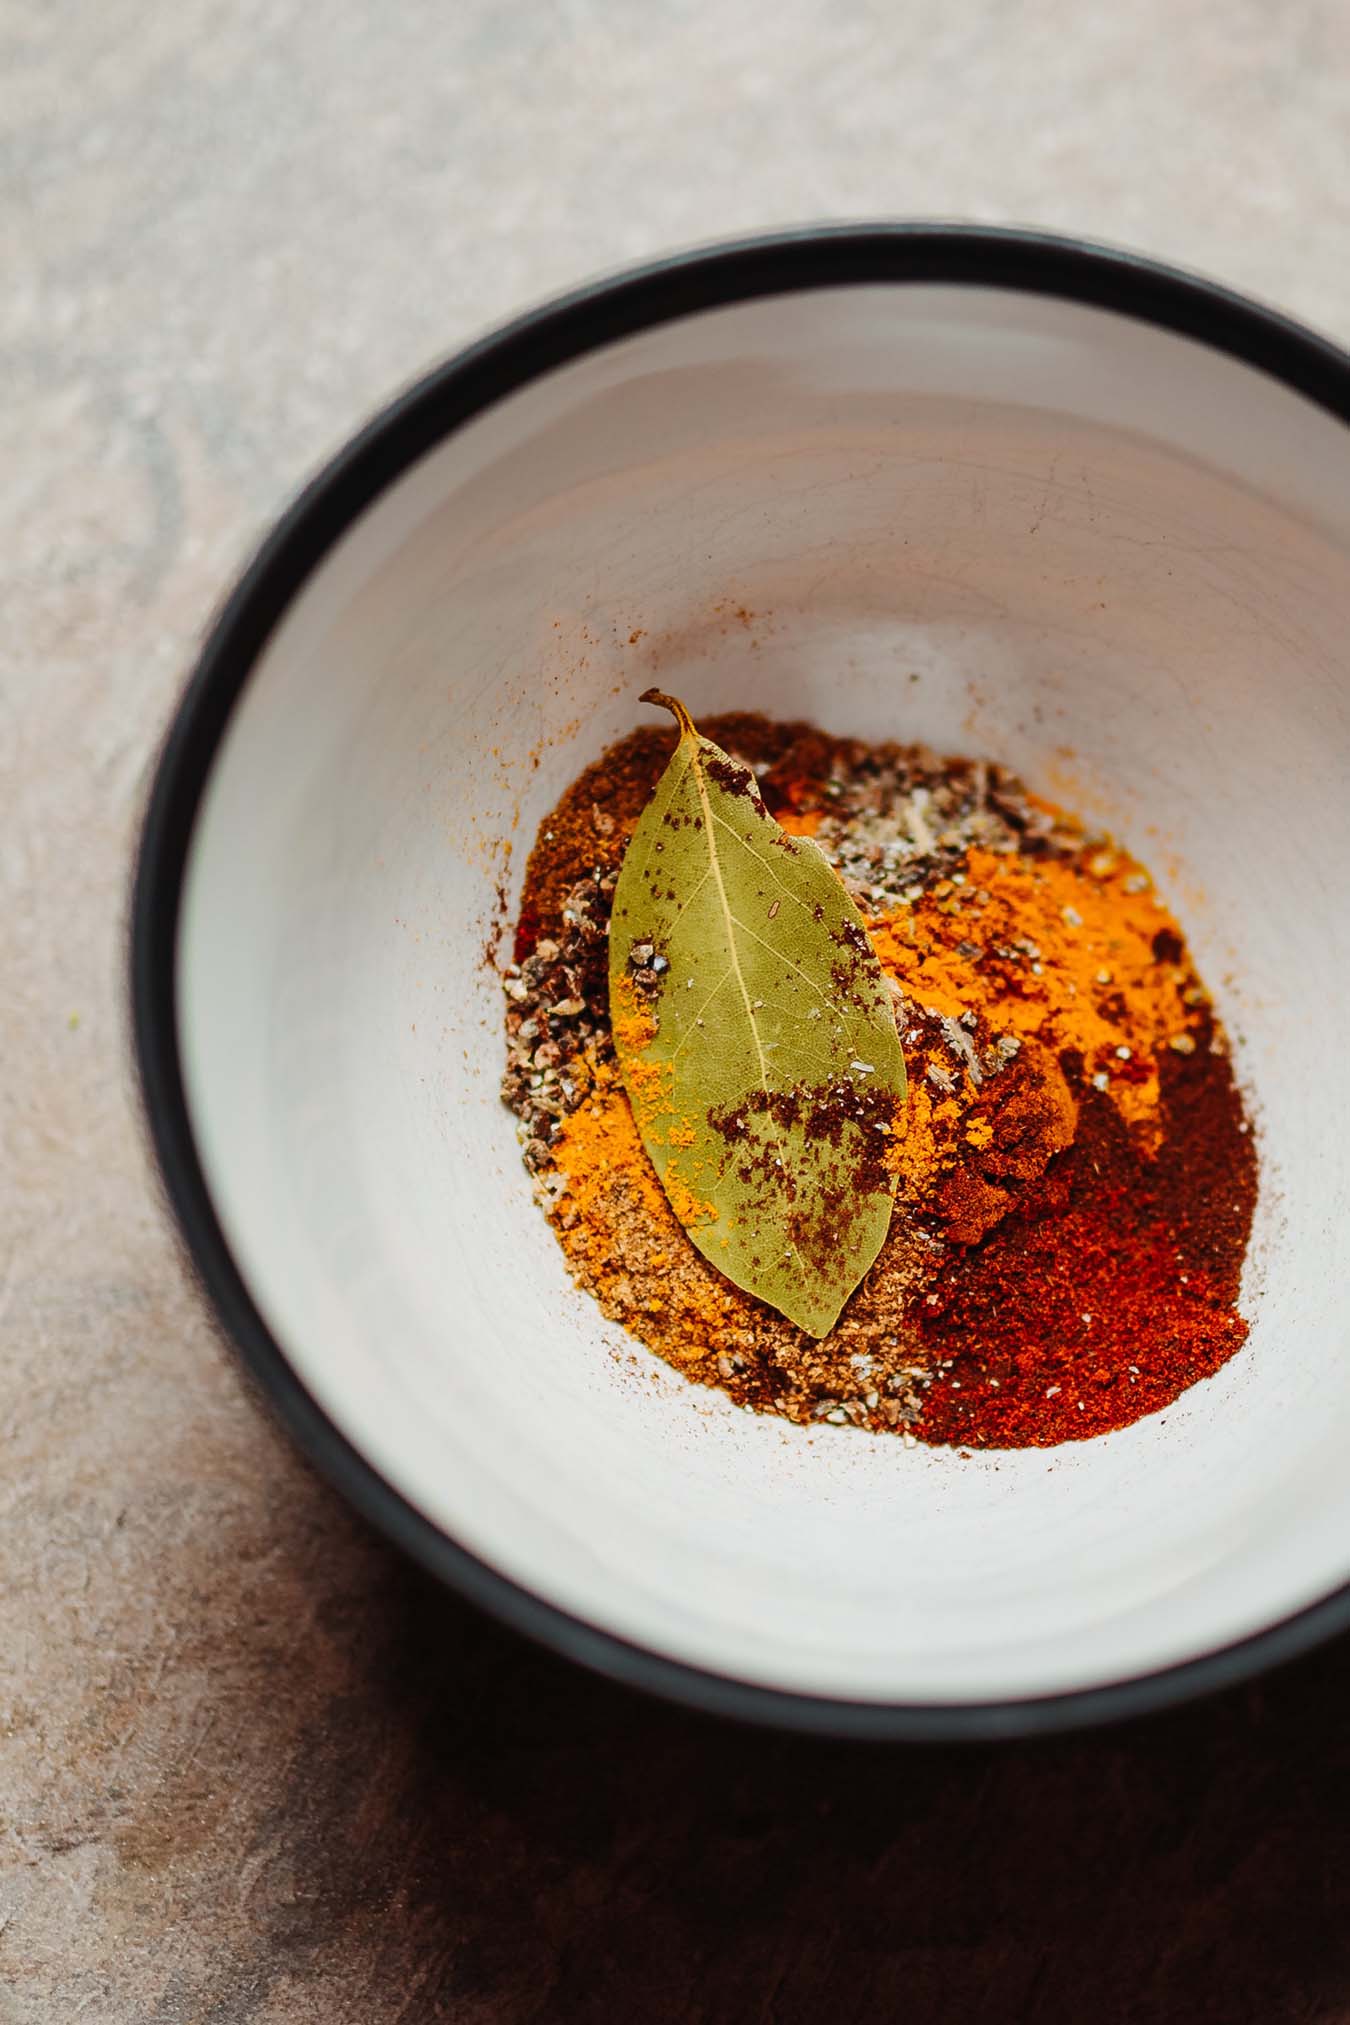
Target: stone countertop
(253, 1770)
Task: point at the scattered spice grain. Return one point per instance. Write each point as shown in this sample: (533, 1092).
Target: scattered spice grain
(1076, 1180)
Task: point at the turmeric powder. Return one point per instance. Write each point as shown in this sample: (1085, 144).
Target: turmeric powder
(1035, 971)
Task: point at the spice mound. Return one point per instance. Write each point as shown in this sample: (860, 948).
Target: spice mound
(1076, 1178)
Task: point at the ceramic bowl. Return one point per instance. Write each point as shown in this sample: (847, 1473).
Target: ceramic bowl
(1005, 494)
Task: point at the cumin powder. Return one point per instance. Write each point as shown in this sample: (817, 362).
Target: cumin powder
(1076, 1180)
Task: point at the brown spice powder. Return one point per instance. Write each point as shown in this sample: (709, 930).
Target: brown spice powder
(1035, 971)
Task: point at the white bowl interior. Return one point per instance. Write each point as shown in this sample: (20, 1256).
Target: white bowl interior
(998, 522)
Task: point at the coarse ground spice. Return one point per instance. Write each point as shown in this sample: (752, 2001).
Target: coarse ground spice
(1077, 1180)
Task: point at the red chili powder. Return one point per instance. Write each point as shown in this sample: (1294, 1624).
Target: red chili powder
(1111, 1287)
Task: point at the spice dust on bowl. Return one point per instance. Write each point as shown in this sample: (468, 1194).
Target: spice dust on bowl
(1058, 1178)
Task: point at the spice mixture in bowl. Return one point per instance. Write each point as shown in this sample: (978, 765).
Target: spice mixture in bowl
(1076, 1178)
(1018, 1402)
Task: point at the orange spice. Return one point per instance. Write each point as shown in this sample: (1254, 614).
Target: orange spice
(612, 1192)
(1045, 999)
(1079, 953)
(800, 822)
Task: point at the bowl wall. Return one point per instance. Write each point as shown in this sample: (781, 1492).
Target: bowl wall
(1005, 524)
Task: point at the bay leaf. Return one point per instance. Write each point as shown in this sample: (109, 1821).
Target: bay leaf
(756, 1037)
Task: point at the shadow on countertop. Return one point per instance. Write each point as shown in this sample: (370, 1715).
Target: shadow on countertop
(501, 1837)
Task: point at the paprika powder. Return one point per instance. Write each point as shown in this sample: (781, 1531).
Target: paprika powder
(1076, 1181)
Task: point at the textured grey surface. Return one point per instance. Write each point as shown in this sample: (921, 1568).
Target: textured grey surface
(251, 1771)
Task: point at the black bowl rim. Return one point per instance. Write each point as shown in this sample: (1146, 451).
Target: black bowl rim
(432, 408)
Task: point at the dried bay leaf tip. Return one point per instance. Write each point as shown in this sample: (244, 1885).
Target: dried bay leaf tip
(756, 1037)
